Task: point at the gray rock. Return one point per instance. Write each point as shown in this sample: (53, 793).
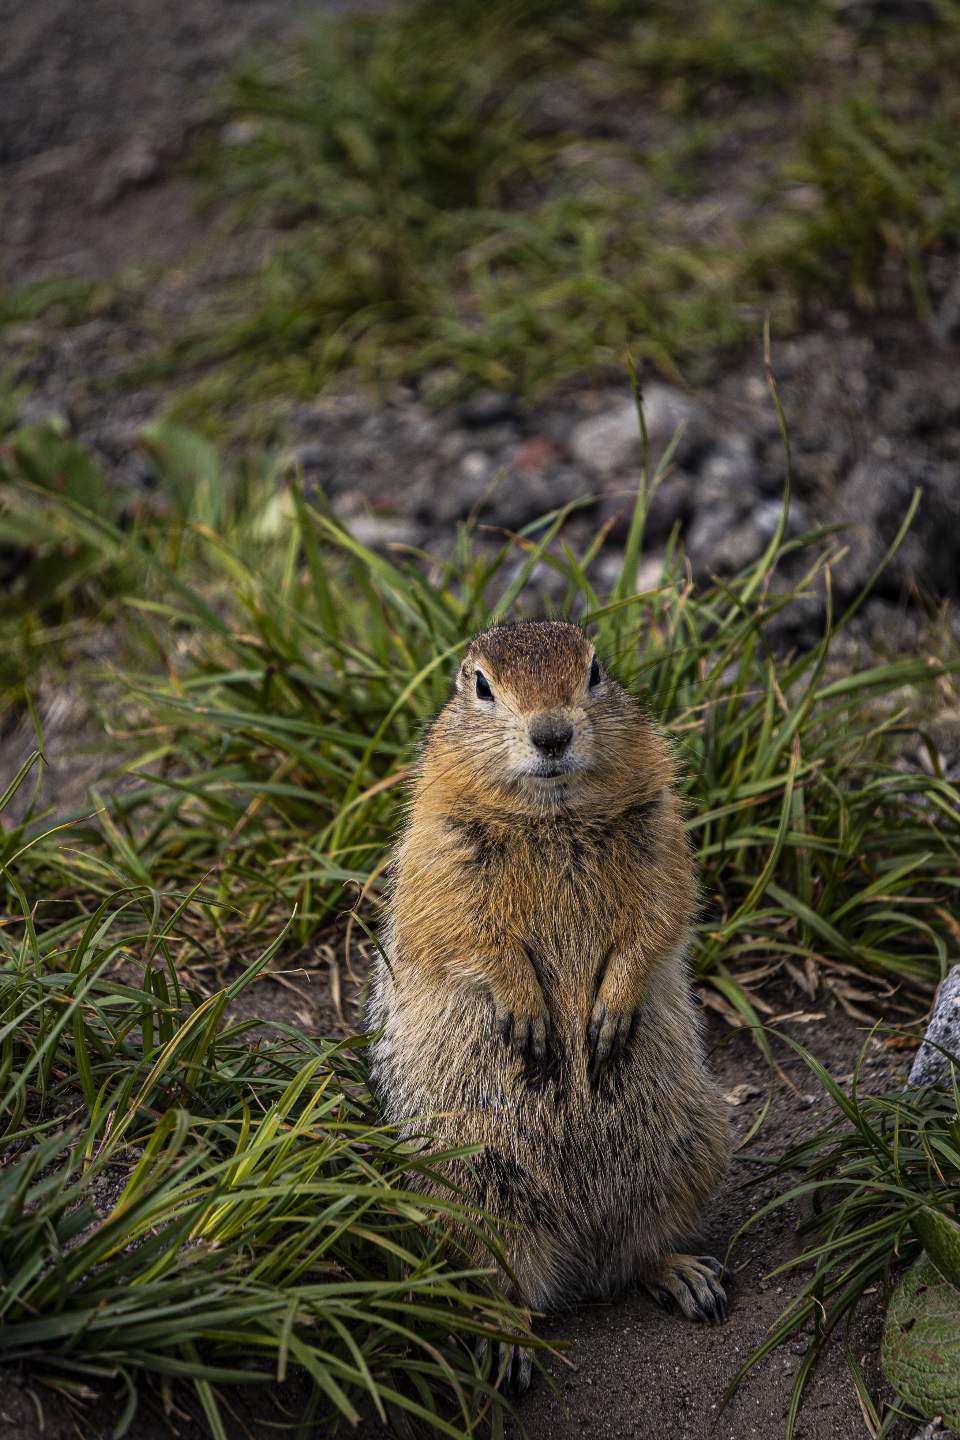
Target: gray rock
(724, 537)
(921, 403)
(934, 1431)
(240, 132)
(521, 498)
(378, 531)
(947, 323)
(311, 455)
(477, 465)
(876, 499)
(730, 474)
(607, 442)
(610, 442)
(722, 542)
(567, 483)
(487, 408)
(307, 418)
(766, 517)
(138, 163)
(929, 1064)
(669, 503)
(456, 499)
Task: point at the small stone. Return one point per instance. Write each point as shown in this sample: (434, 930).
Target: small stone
(136, 164)
(610, 442)
(487, 408)
(805, 1102)
(538, 452)
(240, 132)
(607, 442)
(801, 1347)
(730, 474)
(766, 518)
(667, 505)
(934, 1429)
(878, 495)
(740, 1094)
(310, 456)
(476, 465)
(377, 531)
(803, 197)
(929, 1064)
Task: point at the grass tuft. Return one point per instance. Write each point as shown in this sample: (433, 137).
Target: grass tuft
(275, 716)
(877, 1163)
(178, 1204)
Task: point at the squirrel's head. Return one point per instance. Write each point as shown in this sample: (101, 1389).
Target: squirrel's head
(535, 720)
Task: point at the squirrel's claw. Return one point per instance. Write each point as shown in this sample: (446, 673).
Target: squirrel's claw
(691, 1284)
(607, 1036)
(513, 1368)
(526, 1035)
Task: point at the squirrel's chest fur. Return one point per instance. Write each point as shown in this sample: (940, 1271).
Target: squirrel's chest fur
(561, 858)
(562, 889)
(544, 885)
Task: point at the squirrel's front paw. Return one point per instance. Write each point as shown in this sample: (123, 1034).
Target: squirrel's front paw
(525, 1030)
(609, 1030)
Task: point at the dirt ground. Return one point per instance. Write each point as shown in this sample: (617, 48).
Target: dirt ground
(96, 104)
(633, 1370)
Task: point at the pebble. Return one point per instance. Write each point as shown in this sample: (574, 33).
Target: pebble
(609, 442)
(487, 408)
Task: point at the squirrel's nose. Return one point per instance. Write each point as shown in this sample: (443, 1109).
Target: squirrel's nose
(551, 739)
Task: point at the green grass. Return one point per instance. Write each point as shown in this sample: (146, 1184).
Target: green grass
(869, 1170)
(440, 220)
(262, 1227)
(271, 677)
(276, 707)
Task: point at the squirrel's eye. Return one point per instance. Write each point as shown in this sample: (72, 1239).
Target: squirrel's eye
(483, 689)
(594, 674)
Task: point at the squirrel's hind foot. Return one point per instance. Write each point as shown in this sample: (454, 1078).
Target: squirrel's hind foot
(691, 1283)
(514, 1369)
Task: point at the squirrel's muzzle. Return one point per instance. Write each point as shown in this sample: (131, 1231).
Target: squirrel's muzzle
(551, 736)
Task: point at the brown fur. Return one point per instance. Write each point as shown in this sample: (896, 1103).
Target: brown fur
(537, 1000)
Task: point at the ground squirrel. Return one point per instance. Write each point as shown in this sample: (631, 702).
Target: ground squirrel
(534, 997)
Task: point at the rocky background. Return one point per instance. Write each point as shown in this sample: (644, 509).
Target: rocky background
(97, 106)
(873, 412)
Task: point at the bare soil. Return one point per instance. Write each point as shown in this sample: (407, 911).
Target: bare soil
(96, 103)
